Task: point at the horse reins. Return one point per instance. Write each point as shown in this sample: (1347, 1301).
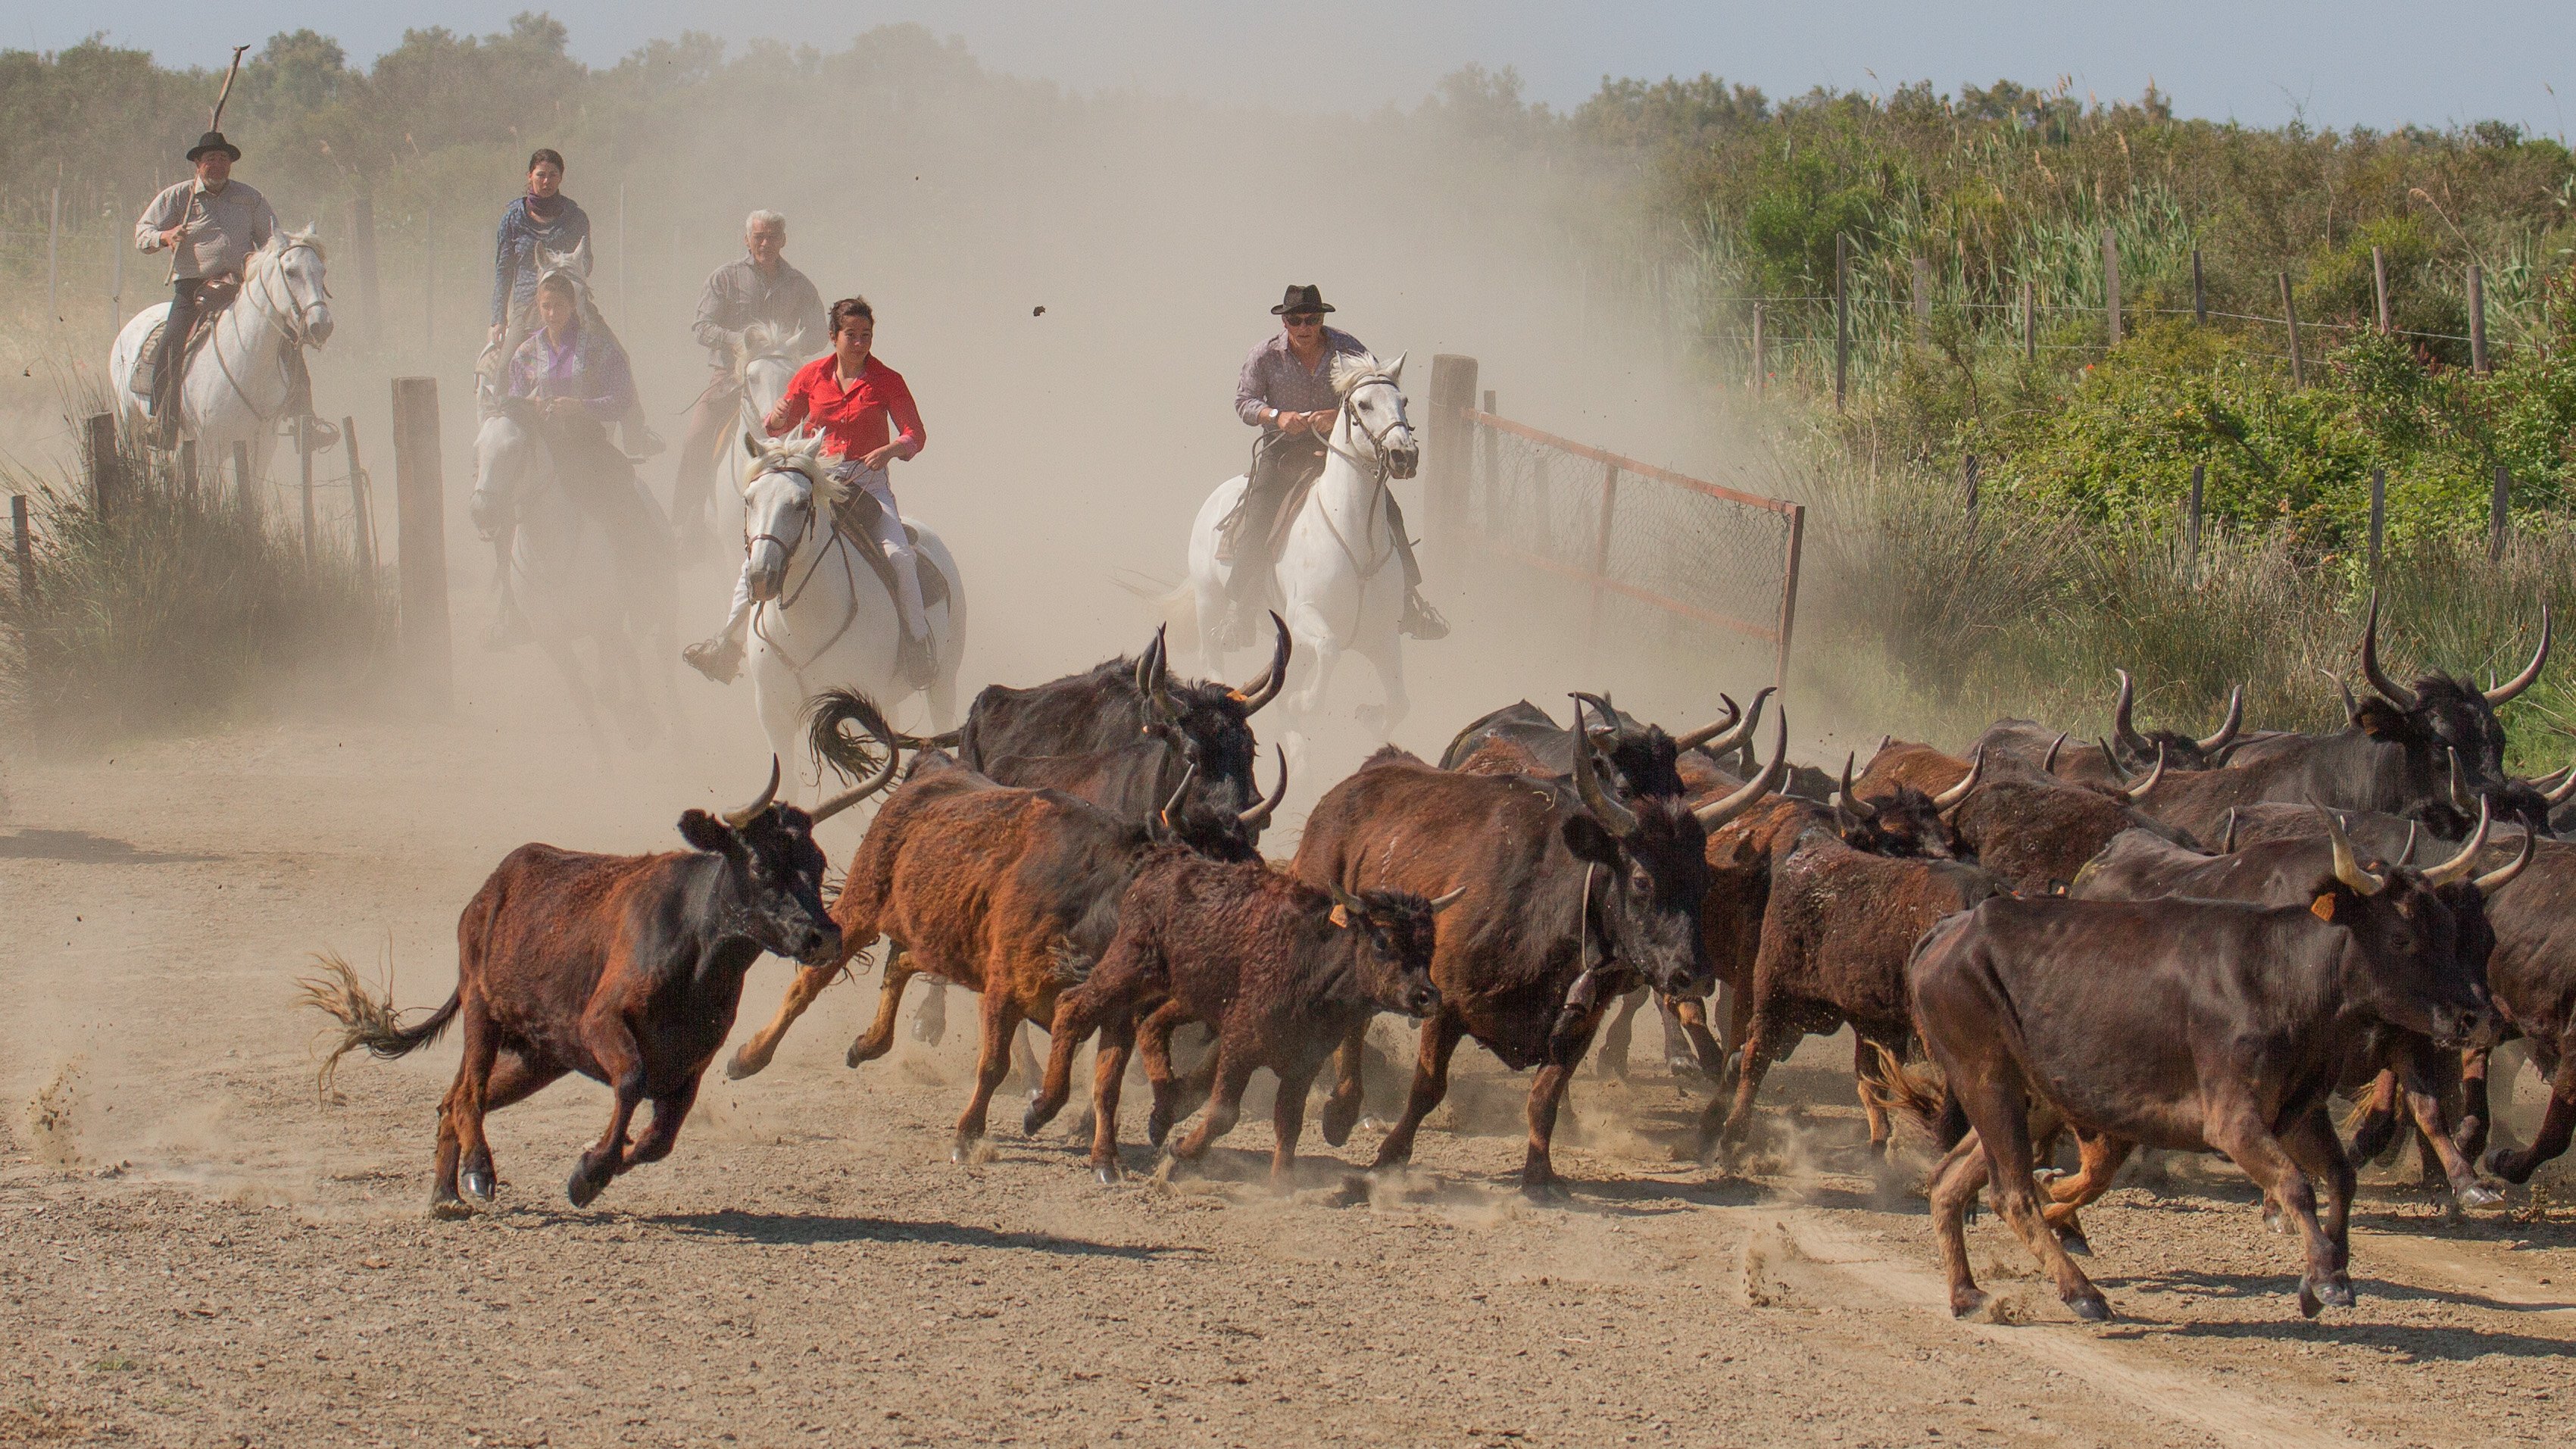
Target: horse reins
(787, 598)
(299, 335)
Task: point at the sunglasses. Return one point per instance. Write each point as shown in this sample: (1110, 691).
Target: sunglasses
(1304, 319)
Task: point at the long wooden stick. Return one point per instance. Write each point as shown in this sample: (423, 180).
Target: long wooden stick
(215, 122)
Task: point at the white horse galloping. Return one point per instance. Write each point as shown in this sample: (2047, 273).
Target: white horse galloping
(571, 579)
(235, 387)
(1339, 581)
(764, 362)
(820, 618)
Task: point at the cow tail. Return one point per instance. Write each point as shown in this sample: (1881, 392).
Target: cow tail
(834, 708)
(1917, 1094)
(366, 1019)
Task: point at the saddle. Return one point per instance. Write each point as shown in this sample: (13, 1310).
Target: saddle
(857, 518)
(213, 303)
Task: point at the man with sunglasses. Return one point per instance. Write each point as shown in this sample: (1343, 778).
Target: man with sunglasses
(1286, 390)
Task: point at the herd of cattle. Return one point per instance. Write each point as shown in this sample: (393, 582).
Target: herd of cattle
(2152, 940)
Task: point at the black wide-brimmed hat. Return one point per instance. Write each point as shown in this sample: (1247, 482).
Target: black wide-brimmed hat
(1308, 298)
(213, 141)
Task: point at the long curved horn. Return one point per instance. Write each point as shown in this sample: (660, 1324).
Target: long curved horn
(2530, 672)
(2121, 729)
(2502, 876)
(2557, 787)
(1189, 772)
(1848, 801)
(1258, 817)
(1735, 733)
(1146, 662)
(1605, 807)
(1266, 685)
(748, 813)
(1710, 731)
(1717, 813)
(1442, 903)
(2227, 842)
(2048, 762)
(2347, 866)
(1967, 782)
(2351, 706)
(2460, 794)
(2139, 790)
(2111, 757)
(1601, 702)
(2458, 866)
(2227, 727)
(2389, 689)
(1158, 680)
(2406, 856)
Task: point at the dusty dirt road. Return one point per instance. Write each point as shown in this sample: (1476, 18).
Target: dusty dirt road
(195, 1250)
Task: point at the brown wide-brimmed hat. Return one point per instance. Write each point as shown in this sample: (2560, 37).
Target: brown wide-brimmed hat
(213, 141)
(1308, 298)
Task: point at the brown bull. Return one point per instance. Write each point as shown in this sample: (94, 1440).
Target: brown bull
(624, 968)
(2031, 831)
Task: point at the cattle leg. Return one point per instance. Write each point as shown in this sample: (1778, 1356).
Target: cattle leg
(1440, 1037)
(1154, 1049)
(878, 1039)
(1547, 1093)
(1613, 1061)
(754, 1054)
(2001, 1111)
(992, 1063)
(2313, 1145)
(1867, 1079)
(2237, 1129)
(664, 1132)
(1690, 1014)
(1342, 1108)
(2557, 1125)
(2376, 1122)
(2434, 1135)
(1727, 1120)
(1287, 1122)
(2476, 1107)
(1077, 1015)
(1955, 1184)
(1224, 1109)
(2098, 1160)
(1108, 1072)
(460, 1117)
(612, 1046)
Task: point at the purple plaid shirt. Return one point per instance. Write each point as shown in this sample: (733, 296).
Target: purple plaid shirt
(1273, 378)
(590, 366)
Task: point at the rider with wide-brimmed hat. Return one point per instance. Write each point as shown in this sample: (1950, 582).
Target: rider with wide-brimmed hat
(213, 223)
(1286, 390)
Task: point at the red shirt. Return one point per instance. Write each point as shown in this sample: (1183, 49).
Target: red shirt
(853, 422)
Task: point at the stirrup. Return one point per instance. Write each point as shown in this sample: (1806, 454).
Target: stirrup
(917, 662)
(1421, 621)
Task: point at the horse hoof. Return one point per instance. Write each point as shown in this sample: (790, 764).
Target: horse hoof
(2091, 1307)
(583, 1189)
(2480, 1195)
(744, 1064)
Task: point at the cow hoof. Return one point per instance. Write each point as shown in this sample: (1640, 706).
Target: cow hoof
(2091, 1308)
(1338, 1122)
(2498, 1163)
(744, 1065)
(2310, 1305)
(583, 1188)
(449, 1208)
(1107, 1173)
(477, 1185)
(1035, 1119)
(2074, 1242)
(1550, 1192)
(1966, 1302)
(1158, 1125)
(2480, 1195)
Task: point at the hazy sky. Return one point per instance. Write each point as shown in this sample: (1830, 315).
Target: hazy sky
(2358, 62)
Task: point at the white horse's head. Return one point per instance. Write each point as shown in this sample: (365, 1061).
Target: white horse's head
(508, 458)
(765, 362)
(287, 275)
(781, 497)
(1373, 402)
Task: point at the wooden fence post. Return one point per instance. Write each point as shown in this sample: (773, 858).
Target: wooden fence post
(244, 497)
(106, 466)
(1489, 454)
(1761, 364)
(2191, 520)
(2378, 515)
(2290, 310)
(2477, 319)
(1453, 394)
(1789, 594)
(2379, 286)
(1842, 318)
(304, 468)
(1922, 290)
(2029, 321)
(2111, 281)
(2199, 291)
(22, 543)
(2499, 513)
(420, 508)
(362, 510)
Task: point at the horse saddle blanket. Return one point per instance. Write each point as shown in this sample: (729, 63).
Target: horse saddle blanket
(211, 305)
(857, 518)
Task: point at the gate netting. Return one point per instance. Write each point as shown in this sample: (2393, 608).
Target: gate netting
(1650, 545)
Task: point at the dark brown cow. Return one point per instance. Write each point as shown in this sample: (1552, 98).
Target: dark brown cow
(624, 968)
(1639, 758)
(1570, 892)
(2031, 831)
(2128, 751)
(2533, 978)
(2188, 1025)
(1281, 971)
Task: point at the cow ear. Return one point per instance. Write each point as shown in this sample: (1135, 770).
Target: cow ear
(707, 833)
(2381, 720)
(1589, 842)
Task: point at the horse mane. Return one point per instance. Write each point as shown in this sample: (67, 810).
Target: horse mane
(788, 455)
(279, 243)
(1349, 369)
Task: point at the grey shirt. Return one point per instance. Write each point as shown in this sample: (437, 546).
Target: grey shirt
(1273, 377)
(224, 227)
(737, 295)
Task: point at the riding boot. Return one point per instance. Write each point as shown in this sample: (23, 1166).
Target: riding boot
(1420, 621)
(719, 657)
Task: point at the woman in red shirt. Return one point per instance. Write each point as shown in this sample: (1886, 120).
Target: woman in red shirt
(868, 420)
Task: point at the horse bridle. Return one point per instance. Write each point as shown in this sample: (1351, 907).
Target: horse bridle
(288, 321)
(1359, 425)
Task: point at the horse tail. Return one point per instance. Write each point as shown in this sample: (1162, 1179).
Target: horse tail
(366, 1019)
(1176, 605)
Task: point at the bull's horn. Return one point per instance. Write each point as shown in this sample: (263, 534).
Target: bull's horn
(1145, 664)
(1617, 818)
(1884, 741)
(1442, 903)
(2530, 672)
(1736, 733)
(1258, 817)
(2389, 689)
(2048, 762)
(1694, 739)
(1847, 801)
(2227, 727)
(1189, 772)
(2227, 841)
(748, 813)
(2347, 866)
(2139, 790)
(2460, 793)
(1158, 680)
(2498, 878)
(2406, 855)
(1266, 685)
(2556, 788)
(2458, 866)
(2111, 757)
(1967, 782)
(1609, 716)
(2351, 706)
(883, 777)
(2121, 728)
(1713, 815)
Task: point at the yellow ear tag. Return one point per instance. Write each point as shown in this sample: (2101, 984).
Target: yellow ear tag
(2322, 908)
(1341, 917)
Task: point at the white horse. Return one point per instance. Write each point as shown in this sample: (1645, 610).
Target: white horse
(235, 388)
(570, 578)
(764, 362)
(1339, 581)
(820, 617)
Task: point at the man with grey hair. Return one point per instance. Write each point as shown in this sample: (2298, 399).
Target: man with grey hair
(758, 287)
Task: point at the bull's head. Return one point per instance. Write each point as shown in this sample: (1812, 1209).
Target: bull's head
(2442, 711)
(1907, 823)
(2420, 937)
(1213, 719)
(2136, 750)
(773, 875)
(1394, 935)
(1212, 828)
